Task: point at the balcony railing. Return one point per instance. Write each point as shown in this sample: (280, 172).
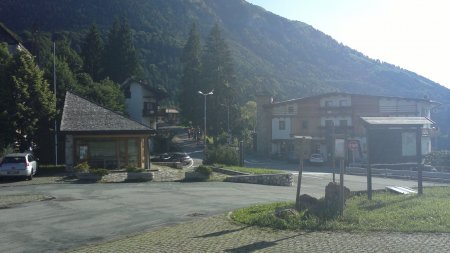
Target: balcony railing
(336, 109)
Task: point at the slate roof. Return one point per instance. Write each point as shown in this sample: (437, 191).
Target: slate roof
(82, 116)
(7, 36)
(352, 94)
(396, 120)
(159, 92)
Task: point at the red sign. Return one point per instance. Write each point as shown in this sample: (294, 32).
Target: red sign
(353, 145)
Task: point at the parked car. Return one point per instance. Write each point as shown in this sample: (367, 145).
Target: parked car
(173, 157)
(181, 157)
(161, 158)
(316, 159)
(18, 165)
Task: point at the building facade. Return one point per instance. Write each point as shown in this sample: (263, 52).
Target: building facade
(142, 101)
(329, 116)
(143, 104)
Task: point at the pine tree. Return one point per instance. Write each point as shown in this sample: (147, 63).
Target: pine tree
(120, 57)
(218, 75)
(190, 102)
(92, 52)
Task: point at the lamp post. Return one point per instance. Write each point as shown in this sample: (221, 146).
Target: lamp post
(204, 118)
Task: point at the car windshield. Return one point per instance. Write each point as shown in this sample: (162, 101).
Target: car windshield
(14, 159)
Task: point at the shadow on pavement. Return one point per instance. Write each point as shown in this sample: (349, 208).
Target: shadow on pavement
(258, 245)
(224, 232)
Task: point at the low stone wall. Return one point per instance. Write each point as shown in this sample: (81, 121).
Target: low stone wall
(228, 172)
(266, 179)
(175, 165)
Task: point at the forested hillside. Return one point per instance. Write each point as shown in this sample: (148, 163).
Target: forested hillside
(287, 58)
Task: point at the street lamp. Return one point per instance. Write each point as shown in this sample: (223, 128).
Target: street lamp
(204, 118)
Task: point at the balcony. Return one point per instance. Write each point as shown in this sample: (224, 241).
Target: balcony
(336, 109)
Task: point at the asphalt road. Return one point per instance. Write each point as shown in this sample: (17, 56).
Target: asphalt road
(82, 214)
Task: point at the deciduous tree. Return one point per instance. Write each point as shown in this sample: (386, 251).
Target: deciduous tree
(28, 102)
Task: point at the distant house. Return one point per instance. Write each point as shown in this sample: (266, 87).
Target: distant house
(330, 115)
(103, 138)
(142, 101)
(8, 37)
(169, 116)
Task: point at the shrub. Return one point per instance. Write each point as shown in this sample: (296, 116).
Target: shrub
(82, 167)
(102, 172)
(50, 169)
(438, 158)
(134, 169)
(205, 170)
(221, 154)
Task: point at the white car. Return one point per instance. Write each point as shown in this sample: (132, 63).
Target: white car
(18, 165)
(316, 159)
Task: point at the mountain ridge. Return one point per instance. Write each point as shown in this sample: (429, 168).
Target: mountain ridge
(285, 57)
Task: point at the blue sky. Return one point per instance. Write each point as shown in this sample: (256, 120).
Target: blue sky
(412, 34)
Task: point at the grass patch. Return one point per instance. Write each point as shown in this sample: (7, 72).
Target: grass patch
(254, 170)
(386, 212)
(264, 216)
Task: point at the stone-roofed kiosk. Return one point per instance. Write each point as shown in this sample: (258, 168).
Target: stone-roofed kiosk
(103, 138)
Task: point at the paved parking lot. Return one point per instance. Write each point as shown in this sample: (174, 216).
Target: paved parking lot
(73, 215)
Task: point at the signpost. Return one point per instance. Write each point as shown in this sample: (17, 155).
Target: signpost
(300, 169)
(353, 146)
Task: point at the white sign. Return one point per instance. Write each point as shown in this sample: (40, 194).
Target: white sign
(339, 148)
(409, 144)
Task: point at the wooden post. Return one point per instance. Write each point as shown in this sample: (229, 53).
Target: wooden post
(300, 172)
(341, 186)
(369, 168)
(419, 159)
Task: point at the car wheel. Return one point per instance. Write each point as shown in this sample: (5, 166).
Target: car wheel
(30, 177)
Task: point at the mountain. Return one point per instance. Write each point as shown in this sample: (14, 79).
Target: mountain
(288, 58)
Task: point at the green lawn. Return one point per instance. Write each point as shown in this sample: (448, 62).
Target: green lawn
(386, 212)
(254, 170)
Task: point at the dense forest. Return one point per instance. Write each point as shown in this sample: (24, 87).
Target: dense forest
(287, 58)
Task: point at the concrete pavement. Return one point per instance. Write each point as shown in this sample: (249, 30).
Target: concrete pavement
(79, 214)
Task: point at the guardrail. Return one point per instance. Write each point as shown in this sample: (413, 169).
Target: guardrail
(405, 174)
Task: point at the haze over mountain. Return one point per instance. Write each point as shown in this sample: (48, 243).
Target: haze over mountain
(288, 58)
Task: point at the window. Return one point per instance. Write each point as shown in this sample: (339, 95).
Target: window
(281, 125)
(343, 103)
(329, 123)
(343, 123)
(149, 108)
(304, 124)
(290, 109)
(328, 103)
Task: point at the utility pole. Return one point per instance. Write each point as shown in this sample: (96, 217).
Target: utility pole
(54, 92)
